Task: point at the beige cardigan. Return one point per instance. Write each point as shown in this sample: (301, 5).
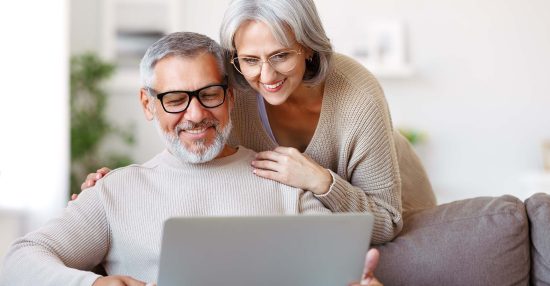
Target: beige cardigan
(355, 140)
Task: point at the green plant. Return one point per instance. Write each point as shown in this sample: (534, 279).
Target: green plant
(414, 136)
(89, 125)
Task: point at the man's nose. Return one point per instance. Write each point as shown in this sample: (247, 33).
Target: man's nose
(195, 111)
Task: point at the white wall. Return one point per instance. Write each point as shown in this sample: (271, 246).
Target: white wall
(480, 88)
(34, 117)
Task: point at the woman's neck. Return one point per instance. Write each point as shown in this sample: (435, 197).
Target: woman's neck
(293, 122)
(304, 97)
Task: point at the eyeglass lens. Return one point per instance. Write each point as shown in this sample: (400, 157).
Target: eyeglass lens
(282, 62)
(178, 101)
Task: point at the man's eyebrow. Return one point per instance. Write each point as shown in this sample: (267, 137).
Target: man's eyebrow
(223, 81)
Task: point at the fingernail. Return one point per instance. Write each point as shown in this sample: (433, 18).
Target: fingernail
(98, 176)
(254, 171)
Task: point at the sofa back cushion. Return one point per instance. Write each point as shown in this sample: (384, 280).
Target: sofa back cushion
(538, 210)
(479, 241)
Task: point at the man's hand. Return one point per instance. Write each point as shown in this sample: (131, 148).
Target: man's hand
(119, 281)
(371, 260)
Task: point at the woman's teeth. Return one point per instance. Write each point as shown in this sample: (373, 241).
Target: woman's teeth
(273, 86)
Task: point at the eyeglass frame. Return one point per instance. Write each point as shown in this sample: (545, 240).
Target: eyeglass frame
(191, 94)
(298, 52)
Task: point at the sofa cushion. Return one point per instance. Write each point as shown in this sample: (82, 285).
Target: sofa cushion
(479, 241)
(538, 210)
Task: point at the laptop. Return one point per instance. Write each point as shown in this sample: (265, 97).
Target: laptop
(300, 250)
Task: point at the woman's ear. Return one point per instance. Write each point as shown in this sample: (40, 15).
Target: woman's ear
(309, 53)
(146, 104)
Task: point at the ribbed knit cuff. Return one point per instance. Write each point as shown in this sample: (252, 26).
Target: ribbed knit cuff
(336, 198)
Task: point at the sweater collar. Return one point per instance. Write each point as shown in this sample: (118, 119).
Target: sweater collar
(173, 161)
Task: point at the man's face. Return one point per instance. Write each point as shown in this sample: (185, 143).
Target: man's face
(197, 134)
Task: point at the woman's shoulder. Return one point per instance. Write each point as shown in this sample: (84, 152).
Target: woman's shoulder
(349, 67)
(351, 84)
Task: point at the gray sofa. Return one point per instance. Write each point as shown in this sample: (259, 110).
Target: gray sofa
(478, 241)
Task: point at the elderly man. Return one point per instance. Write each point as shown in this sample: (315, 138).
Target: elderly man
(118, 222)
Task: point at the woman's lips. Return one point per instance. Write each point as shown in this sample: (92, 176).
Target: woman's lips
(273, 87)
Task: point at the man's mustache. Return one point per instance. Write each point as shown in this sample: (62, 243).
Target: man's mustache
(205, 123)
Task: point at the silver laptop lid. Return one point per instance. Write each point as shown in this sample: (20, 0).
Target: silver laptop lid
(296, 250)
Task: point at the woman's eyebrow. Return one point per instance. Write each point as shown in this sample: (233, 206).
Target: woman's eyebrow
(280, 50)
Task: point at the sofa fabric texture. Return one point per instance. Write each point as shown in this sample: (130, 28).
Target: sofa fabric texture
(478, 241)
(538, 210)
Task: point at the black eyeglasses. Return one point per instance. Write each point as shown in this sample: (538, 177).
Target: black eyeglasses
(178, 100)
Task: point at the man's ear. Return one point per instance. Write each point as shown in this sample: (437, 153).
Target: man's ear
(146, 104)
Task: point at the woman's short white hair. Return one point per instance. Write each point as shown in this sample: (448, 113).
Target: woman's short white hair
(279, 15)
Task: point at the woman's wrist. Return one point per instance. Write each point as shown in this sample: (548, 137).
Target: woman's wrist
(322, 182)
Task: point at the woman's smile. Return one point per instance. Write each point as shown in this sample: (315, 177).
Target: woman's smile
(274, 86)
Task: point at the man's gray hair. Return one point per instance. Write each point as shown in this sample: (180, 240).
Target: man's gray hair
(182, 44)
(279, 15)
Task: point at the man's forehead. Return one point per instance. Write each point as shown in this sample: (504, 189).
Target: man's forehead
(188, 73)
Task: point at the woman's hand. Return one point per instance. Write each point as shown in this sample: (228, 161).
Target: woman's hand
(93, 177)
(288, 166)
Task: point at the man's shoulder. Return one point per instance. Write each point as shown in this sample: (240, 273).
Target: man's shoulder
(134, 170)
(245, 152)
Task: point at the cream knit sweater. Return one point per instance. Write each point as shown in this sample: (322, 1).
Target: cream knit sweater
(119, 221)
(355, 140)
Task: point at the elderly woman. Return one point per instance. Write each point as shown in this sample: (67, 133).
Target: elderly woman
(318, 119)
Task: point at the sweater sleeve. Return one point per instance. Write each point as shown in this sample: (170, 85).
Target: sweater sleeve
(310, 205)
(345, 197)
(366, 175)
(63, 251)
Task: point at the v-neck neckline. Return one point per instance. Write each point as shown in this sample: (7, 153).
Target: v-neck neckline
(266, 127)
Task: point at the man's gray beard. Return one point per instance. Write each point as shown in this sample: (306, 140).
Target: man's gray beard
(205, 153)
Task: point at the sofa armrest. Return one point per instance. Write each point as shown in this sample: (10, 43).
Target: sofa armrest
(538, 210)
(479, 241)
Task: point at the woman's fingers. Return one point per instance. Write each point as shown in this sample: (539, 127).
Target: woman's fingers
(91, 178)
(267, 174)
(103, 170)
(265, 165)
(288, 166)
(268, 155)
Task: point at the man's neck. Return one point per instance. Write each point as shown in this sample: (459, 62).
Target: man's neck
(227, 151)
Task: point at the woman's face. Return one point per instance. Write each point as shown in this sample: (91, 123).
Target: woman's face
(255, 44)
